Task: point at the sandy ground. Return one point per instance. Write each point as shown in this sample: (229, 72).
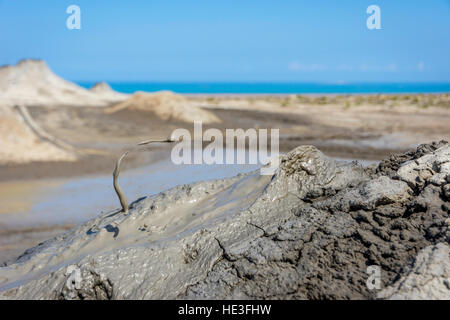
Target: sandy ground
(365, 131)
(345, 127)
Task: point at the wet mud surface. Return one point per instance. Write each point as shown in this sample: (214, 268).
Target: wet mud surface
(309, 232)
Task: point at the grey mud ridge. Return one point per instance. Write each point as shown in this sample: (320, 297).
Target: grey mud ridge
(308, 232)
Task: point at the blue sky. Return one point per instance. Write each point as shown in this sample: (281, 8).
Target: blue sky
(301, 41)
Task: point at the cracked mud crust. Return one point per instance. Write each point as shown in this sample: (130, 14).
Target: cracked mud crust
(308, 232)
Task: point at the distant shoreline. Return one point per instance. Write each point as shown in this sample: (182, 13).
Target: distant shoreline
(276, 88)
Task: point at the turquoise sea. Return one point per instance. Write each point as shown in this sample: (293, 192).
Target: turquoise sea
(276, 87)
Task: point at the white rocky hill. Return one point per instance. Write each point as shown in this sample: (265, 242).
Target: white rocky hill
(31, 82)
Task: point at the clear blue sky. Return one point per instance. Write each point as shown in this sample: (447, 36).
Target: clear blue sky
(189, 40)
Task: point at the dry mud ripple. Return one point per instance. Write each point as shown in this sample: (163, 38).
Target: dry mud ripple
(308, 232)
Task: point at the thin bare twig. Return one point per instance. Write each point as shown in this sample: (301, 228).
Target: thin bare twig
(116, 172)
(119, 192)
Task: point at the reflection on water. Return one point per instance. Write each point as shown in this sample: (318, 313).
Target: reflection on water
(20, 196)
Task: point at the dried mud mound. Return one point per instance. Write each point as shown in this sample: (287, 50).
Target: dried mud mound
(323, 249)
(102, 89)
(309, 232)
(165, 105)
(31, 82)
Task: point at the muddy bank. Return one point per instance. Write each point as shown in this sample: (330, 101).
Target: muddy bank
(310, 231)
(322, 249)
(49, 203)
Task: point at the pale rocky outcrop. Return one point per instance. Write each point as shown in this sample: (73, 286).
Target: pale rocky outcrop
(32, 83)
(104, 90)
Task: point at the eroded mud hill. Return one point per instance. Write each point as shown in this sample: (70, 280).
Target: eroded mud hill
(310, 231)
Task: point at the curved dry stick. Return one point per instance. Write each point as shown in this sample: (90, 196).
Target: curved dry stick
(154, 141)
(120, 194)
